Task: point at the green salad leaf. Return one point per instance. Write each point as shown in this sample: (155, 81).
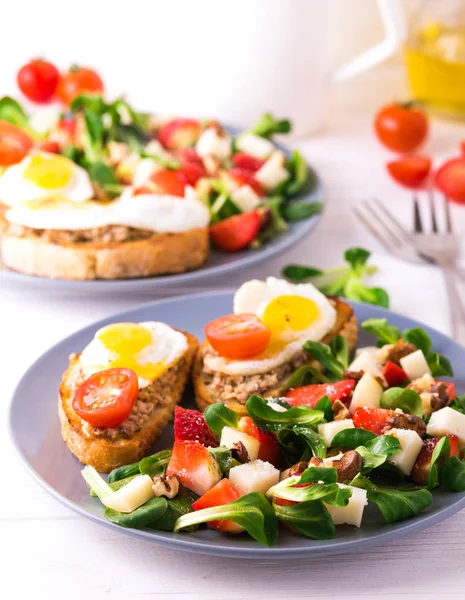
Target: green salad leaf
(440, 365)
(218, 416)
(386, 334)
(300, 175)
(324, 487)
(458, 404)
(124, 472)
(376, 451)
(297, 211)
(349, 439)
(324, 355)
(268, 126)
(177, 507)
(340, 350)
(148, 513)
(12, 112)
(419, 338)
(407, 400)
(453, 474)
(324, 404)
(156, 464)
(310, 518)
(314, 440)
(224, 458)
(440, 455)
(269, 419)
(252, 511)
(306, 375)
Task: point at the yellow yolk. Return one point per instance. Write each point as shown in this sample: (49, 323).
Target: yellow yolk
(289, 313)
(49, 172)
(126, 341)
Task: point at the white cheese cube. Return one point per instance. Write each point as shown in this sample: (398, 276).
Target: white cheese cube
(411, 444)
(273, 172)
(367, 392)
(256, 476)
(352, 513)
(145, 168)
(366, 361)
(245, 198)
(132, 495)
(255, 145)
(329, 430)
(230, 436)
(211, 143)
(44, 119)
(415, 365)
(447, 421)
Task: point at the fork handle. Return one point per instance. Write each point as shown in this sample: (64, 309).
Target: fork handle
(456, 309)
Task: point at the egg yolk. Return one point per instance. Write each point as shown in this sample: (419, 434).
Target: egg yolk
(48, 172)
(289, 313)
(125, 341)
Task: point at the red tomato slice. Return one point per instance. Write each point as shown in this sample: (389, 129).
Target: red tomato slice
(238, 336)
(394, 374)
(237, 232)
(169, 182)
(14, 144)
(450, 179)
(410, 171)
(106, 398)
(372, 419)
(247, 162)
(310, 394)
(245, 177)
(222, 493)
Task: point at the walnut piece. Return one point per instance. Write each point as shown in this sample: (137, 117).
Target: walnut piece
(165, 485)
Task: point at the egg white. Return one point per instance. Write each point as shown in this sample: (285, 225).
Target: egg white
(167, 346)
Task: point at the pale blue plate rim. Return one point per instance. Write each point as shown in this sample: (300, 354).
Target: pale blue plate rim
(251, 549)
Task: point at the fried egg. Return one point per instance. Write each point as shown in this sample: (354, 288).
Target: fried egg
(44, 175)
(148, 348)
(294, 314)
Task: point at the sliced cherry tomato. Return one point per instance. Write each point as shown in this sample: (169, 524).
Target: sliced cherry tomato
(401, 127)
(247, 162)
(169, 182)
(394, 374)
(38, 80)
(410, 171)
(372, 419)
(78, 80)
(310, 394)
(238, 336)
(222, 493)
(179, 133)
(48, 146)
(106, 398)
(450, 179)
(237, 232)
(14, 144)
(243, 177)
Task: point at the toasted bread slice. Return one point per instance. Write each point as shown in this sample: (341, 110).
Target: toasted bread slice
(346, 326)
(128, 443)
(162, 253)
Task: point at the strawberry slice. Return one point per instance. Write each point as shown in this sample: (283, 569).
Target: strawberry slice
(237, 232)
(191, 425)
(310, 394)
(192, 172)
(247, 162)
(450, 387)
(422, 467)
(222, 493)
(188, 155)
(270, 450)
(179, 133)
(372, 419)
(194, 465)
(169, 182)
(243, 177)
(394, 374)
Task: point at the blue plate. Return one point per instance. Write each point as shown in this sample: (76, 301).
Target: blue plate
(217, 264)
(36, 435)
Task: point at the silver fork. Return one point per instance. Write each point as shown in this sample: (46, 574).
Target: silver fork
(436, 248)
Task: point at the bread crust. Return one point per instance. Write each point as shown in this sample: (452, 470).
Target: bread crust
(346, 326)
(105, 454)
(163, 253)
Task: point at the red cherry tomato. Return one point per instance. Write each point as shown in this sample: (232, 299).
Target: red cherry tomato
(394, 374)
(169, 182)
(38, 80)
(14, 144)
(106, 398)
(238, 336)
(410, 171)
(401, 127)
(247, 162)
(78, 80)
(450, 179)
(237, 232)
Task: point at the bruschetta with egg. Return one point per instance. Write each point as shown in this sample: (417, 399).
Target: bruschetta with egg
(119, 393)
(256, 349)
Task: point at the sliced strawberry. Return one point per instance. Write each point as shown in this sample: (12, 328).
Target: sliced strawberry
(394, 374)
(247, 162)
(188, 155)
(454, 445)
(191, 425)
(422, 467)
(310, 394)
(270, 450)
(48, 146)
(242, 177)
(372, 419)
(222, 493)
(451, 391)
(237, 232)
(192, 172)
(194, 465)
(179, 133)
(169, 182)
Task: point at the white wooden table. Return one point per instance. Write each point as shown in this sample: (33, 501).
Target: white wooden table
(49, 552)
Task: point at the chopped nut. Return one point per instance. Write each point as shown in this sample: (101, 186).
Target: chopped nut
(340, 411)
(315, 461)
(349, 465)
(166, 485)
(355, 375)
(298, 468)
(400, 420)
(239, 452)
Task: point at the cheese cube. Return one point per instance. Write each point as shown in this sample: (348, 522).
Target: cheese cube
(144, 169)
(272, 173)
(256, 476)
(367, 392)
(447, 421)
(415, 365)
(352, 513)
(366, 361)
(329, 430)
(230, 436)
(245, 198)
(211, 143)
(255, 145)
(411, 444)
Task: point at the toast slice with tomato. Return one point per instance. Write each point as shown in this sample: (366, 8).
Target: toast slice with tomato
(127, 443)
(345, 326)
